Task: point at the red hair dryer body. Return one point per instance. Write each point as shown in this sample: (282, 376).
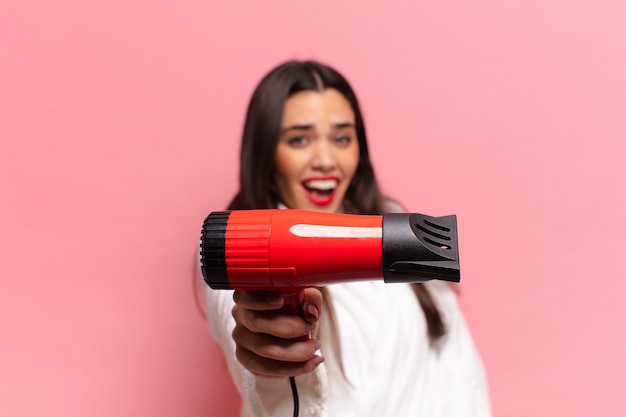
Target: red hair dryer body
(289, 250)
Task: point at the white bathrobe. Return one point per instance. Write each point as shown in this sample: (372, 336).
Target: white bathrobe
(391, 367)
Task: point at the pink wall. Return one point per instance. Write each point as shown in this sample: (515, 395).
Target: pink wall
(119, 127)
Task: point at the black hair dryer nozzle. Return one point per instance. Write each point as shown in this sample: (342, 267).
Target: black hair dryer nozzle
(417, 247)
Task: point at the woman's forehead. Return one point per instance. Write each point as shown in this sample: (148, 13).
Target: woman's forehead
(312, 107)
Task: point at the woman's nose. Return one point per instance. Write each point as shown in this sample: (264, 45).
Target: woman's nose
(323, 156)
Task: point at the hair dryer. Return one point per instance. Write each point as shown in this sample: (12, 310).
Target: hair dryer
(289, 250)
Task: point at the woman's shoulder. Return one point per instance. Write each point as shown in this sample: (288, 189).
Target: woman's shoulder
(391, 205)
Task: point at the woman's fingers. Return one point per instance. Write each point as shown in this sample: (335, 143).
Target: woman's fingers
(264, 366)
(272, 323)
(258, 300)
(272, 343)
(270, 347)
(312, 305)
(268, 355)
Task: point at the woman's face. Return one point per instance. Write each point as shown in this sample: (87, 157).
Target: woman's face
(317, 152)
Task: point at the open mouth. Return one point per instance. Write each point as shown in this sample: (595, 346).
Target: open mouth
(321, 191)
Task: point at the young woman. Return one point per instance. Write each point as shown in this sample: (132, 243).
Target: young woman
(375, 349)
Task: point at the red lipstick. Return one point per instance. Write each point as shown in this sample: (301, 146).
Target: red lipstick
(321, 190)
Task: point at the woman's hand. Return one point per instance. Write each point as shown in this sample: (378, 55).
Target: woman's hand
(270, 342)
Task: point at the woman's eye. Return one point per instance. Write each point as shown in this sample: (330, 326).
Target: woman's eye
(298, 141)
(343, 139)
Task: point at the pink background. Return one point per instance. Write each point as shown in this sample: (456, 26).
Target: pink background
(119, 129)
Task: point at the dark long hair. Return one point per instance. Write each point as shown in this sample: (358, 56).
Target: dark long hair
(262, 130)
(257, 166)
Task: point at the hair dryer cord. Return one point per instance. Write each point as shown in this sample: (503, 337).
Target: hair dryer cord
(294, 392)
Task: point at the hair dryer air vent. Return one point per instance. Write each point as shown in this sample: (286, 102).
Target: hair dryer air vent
(417, 247)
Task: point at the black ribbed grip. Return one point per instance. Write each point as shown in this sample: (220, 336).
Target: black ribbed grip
(213, 250)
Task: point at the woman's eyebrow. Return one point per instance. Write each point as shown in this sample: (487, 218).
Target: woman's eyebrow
(311, 127)
(297, 127)
(343, 125)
